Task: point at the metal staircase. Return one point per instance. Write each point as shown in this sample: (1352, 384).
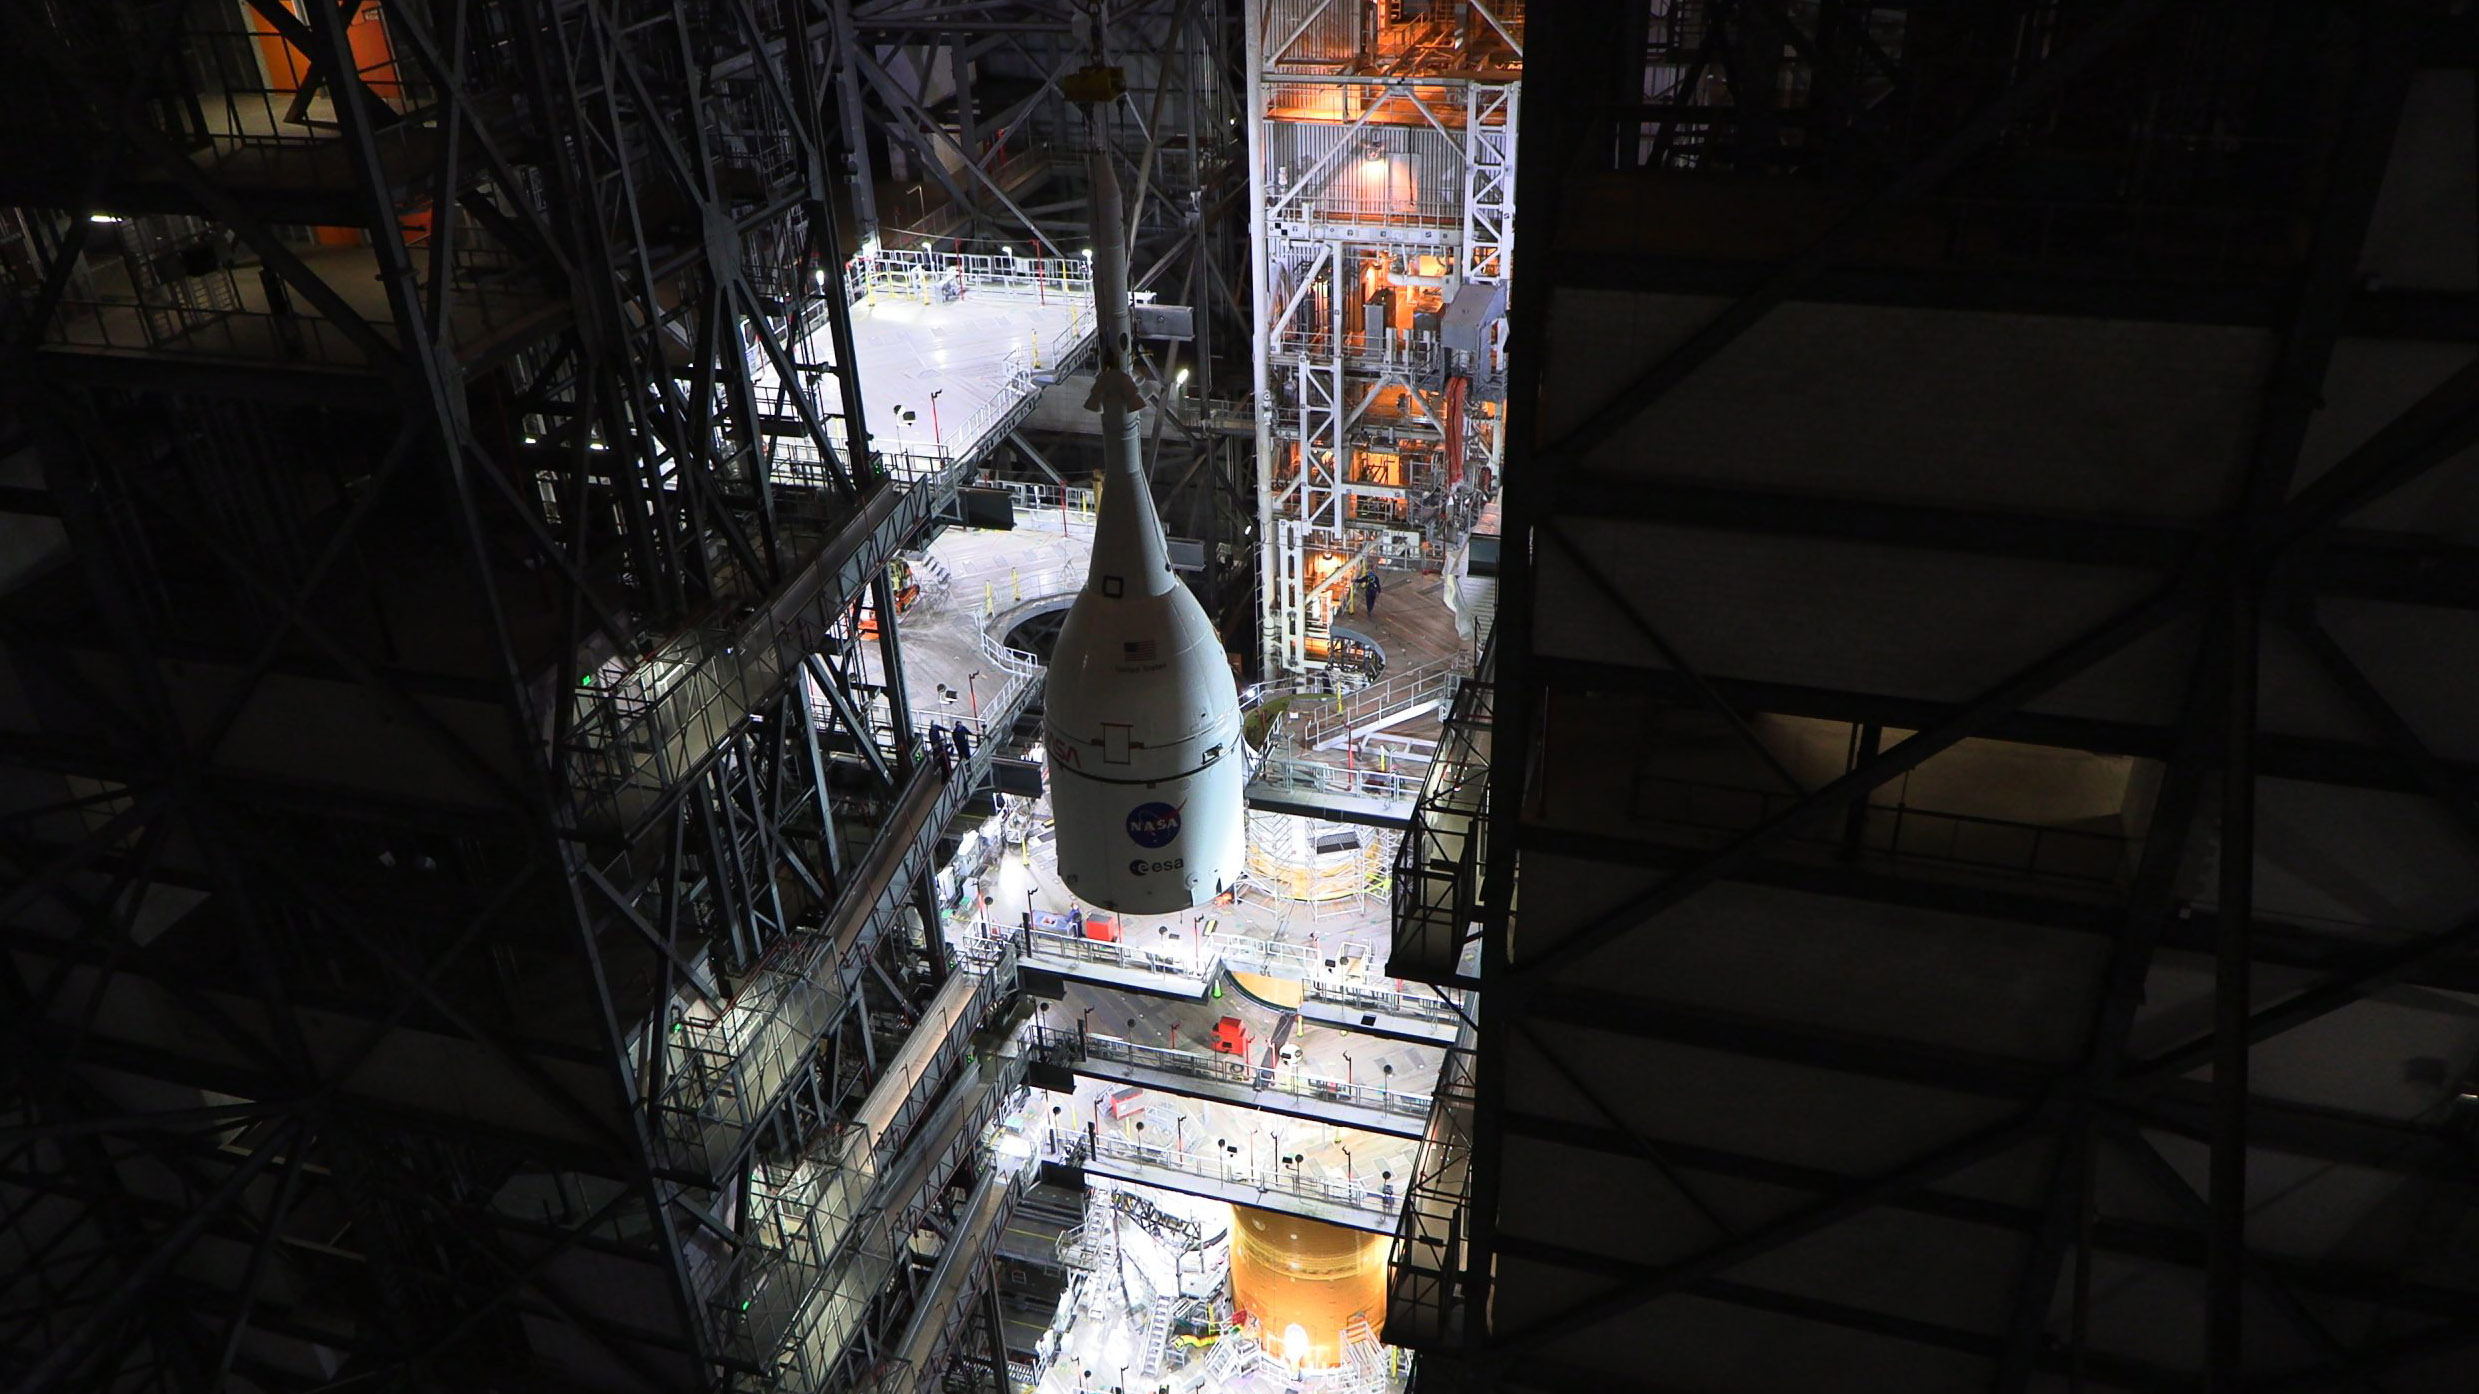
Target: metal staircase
(1364, 1357)
(1154, 1345)
(1231, 1356)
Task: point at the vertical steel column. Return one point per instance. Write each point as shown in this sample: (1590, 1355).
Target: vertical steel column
(2226, 1249)
(998, 1335)
(1273, 655)
(857, 172)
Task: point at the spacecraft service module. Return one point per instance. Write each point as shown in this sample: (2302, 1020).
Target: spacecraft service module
(1143, 721)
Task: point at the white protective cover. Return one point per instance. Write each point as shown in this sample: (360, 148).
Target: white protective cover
(1142, 713)
(1150, 815)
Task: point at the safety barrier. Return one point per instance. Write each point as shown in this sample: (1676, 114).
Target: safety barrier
(1230, 1069)
(1072, 503)
(992, 714)
(1374, 1199)
(1390, 694)
(1295, 962)
(1398, 785)
(914, 273)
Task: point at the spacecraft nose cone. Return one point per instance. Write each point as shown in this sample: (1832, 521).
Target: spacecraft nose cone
(1141, 713)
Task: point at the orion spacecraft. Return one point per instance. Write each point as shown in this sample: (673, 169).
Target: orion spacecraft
(1142, 712)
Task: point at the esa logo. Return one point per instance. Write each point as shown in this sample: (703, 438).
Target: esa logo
(1140, 866)
(1153, 825)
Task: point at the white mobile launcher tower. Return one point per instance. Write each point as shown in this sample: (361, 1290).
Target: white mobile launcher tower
(1143, 724)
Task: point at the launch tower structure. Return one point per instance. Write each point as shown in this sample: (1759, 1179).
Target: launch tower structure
(1382, 186)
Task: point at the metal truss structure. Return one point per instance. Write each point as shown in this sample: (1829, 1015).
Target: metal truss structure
(468, 916)
(1987, 545)
(1382, 157)
(981, 152)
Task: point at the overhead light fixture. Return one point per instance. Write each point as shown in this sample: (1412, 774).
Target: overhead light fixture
(103, 217)
(1375, 158)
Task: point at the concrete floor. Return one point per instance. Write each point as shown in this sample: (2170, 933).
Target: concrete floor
(972, 352)
(982, 583)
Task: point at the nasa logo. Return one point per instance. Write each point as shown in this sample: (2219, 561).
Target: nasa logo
(1153, 825)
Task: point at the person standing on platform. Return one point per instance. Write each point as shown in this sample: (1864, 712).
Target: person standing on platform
(1372, 586)
(963, 742)
(938, 747)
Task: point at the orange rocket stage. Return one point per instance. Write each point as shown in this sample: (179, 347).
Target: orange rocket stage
(1302, 1281)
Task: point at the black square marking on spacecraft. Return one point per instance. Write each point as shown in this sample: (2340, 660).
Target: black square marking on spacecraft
(1139, 650)
(1112, 586)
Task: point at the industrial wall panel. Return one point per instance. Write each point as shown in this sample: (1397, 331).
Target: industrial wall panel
(1830, 1118)
(1618, 1206)
(434, 1075)
(2370, 382)
(2078, 415)
(1901, 1263)
(2422, 233)
(1848, 617)
(2297, 697)
(2358, 1059)
(2357, 862)
(1690, 1342)
(1528, 1290)
(2423, 659)
(1839, 963)
(317, 732)
(2150, 1312)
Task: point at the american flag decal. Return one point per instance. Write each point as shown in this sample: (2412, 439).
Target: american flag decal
(1139, 651)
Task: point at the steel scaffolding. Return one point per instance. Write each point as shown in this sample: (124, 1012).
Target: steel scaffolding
(456, 866)
(1382, 143)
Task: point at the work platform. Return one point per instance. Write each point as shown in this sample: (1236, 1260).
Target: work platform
(954, 349)
(1113, 1061)
(1337, 1074)
(1400, 1016)
(1231, 1153)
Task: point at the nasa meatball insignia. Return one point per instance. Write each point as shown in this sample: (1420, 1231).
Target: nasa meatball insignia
(1153, 825)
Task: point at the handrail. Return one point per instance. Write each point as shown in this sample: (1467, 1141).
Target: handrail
(1074, 503)
(1400, 785)
(1294, 961)
(913, 271)
(1021, 673)
(1376, 1199)
(1388, 695)
(1230, 1069)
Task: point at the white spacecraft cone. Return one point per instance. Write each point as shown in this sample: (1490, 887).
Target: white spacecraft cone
(1142, 715)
